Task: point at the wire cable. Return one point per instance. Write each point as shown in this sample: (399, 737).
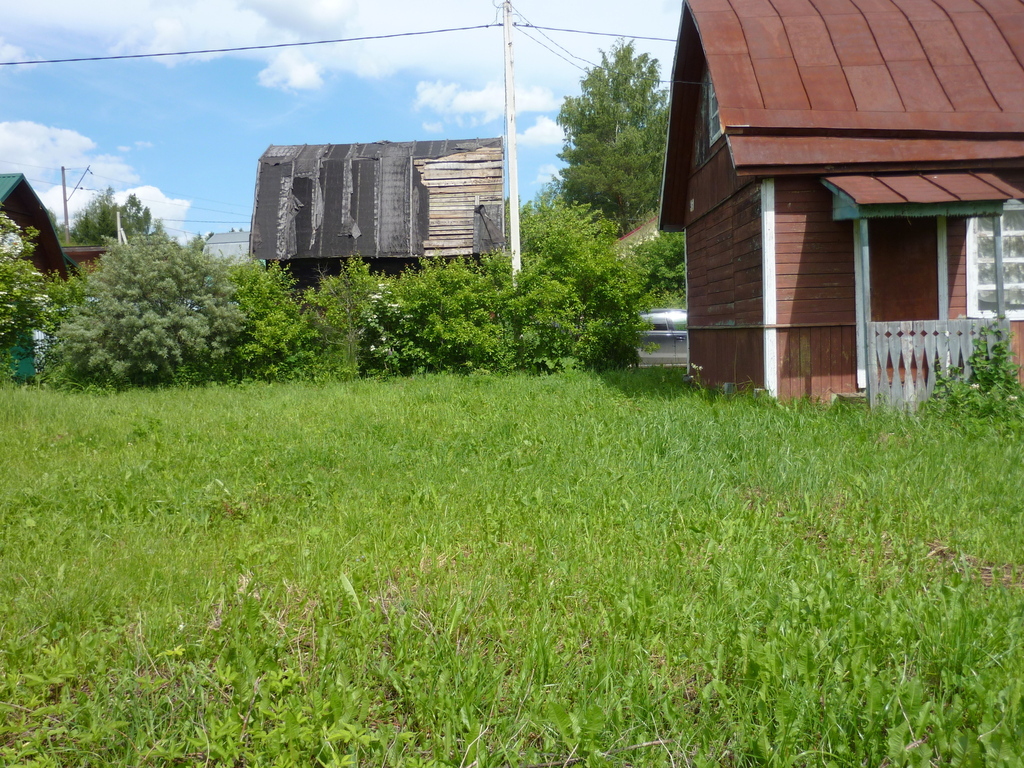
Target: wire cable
(244, 47)
(600, 34)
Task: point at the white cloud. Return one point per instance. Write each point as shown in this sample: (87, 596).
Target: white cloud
(546, 173)
(482, 105)
(143, 144)
(10, 52)
(38, 151)
(292, 71)
(437, 127)
(544, 132)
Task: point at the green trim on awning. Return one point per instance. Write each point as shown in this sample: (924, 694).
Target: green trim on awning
(844, 208)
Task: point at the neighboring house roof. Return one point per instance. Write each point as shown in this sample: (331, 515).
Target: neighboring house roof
(837, 84)
(228, 244)
(379, 200)
(20, 202)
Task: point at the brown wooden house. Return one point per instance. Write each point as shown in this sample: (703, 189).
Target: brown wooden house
(849, 174)
(19, 201)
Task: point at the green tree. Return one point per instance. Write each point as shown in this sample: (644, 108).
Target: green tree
(97, 222)
(23, 299)
(615, 138)
(663, 260)
(156, 312)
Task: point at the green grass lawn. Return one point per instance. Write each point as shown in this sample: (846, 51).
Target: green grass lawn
(487, 571)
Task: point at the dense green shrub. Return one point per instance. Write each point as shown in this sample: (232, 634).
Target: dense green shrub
(662, 260)
(992, 391)
(337, 308)
(277, 342)
(157, 312)
(577, 297)
(441, 317)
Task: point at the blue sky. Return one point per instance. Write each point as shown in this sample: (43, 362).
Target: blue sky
(185, 133)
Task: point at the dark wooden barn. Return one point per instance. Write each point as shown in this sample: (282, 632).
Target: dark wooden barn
(391, 203)
(21, 204)
(848, 173)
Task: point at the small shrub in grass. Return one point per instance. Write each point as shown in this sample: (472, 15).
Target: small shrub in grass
(993, 390)
(154, 308)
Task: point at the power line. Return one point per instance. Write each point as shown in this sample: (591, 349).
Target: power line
(601, 34)
(244, 47)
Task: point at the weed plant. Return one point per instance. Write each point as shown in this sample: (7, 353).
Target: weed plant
(485, 571)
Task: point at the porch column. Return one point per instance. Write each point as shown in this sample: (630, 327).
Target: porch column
(866, 374)
(997, 238)
(943, 266)
(769, 284)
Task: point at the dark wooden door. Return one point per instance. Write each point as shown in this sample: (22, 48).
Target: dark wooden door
(904, 270)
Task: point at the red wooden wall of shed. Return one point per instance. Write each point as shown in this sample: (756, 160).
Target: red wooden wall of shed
(816, 292)
(724, 263)
(813, 256)
(817, 361)
(728, 355)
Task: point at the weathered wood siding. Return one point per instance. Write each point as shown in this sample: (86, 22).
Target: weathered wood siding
(724, 263)
(458, 186)
(817, 361)
(956, 244)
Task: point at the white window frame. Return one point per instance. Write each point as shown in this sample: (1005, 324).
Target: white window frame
(973, 282)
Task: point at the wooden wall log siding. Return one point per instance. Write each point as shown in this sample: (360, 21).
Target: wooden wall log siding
(728, 355)
(817, 337)
(724, 263)
(817, 362)
(904, 263)
(813, 254)
(1017, 343)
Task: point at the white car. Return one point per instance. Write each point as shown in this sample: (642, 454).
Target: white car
(667, 341)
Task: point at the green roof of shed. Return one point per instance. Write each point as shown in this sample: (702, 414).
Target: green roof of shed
(8, 181)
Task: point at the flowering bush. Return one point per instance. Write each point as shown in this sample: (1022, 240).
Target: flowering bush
(23, 299)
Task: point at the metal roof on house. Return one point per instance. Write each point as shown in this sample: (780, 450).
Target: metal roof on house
(925, 188)
(866, 65)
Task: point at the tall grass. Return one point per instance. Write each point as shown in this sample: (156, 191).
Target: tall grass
(503, 571)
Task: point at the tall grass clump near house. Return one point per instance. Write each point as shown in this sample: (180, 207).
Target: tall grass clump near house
(992, 393)
(606, 569)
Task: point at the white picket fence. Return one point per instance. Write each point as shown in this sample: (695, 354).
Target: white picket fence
(905, 358)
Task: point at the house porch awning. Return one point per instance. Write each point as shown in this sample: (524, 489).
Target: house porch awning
(919, 194)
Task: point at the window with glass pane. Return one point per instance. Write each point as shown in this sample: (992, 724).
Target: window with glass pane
(982, 264)
(711, 109)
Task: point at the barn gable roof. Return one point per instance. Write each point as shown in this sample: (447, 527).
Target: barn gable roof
(844, 85)
(379, 200)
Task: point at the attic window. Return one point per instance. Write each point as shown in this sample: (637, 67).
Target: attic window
(714, 124)
(981, 263)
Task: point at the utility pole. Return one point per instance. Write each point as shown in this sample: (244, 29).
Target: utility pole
(64, 187)
(510, 142)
